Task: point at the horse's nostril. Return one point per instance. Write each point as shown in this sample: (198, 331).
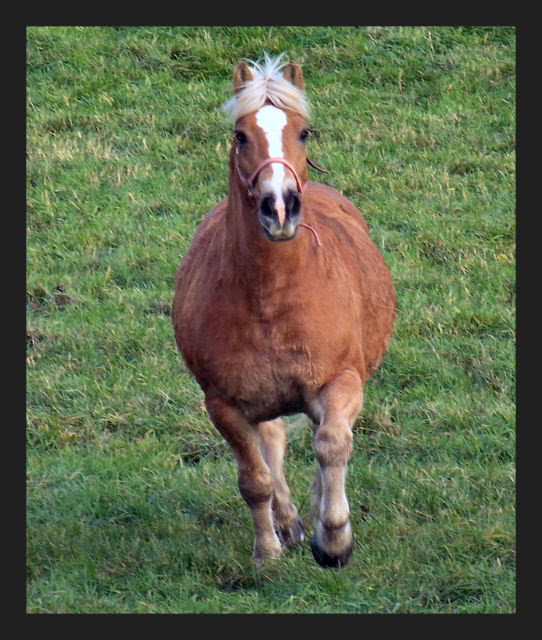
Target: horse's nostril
(293, 204)
(267, 206)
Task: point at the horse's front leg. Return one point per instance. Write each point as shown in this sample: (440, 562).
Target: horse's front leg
(288, 524)
(254, 477)
(339, 401)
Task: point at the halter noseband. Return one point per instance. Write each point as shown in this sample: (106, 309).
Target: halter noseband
(252, 180)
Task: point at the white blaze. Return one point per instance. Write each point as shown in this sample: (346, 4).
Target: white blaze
(272, 122)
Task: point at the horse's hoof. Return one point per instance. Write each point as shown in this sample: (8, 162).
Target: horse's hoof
(330, 562)
(293, 534)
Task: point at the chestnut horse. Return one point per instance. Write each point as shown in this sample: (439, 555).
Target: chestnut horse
(282, 305)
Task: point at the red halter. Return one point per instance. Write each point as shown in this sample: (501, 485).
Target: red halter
(252, 180)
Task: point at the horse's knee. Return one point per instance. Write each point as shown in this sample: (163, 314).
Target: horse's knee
(333, 446)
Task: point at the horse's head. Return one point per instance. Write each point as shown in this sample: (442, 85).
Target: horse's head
(268, 152)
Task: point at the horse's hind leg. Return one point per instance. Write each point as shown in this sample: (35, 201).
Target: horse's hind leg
(340, 402)
(288, 525)
(254, 477)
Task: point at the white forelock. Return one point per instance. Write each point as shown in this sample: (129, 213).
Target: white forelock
(267, 83)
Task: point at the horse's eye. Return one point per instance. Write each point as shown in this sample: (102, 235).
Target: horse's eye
(304, 135)
(240, 137)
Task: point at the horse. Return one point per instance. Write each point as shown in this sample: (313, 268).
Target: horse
(282, 305)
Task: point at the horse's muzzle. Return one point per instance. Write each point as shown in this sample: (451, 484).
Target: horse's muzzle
(279, 219)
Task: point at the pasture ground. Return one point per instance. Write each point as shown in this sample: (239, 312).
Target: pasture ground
(132, 503)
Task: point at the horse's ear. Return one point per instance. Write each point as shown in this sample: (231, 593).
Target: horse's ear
(241, 75)
(292, 72)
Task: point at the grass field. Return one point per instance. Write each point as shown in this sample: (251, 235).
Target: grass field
(132, 500)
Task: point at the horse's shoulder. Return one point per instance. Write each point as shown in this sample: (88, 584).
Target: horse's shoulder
(328, 201)
(212, 219)
(203, 242)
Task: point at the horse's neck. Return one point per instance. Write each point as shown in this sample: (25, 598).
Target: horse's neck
(258, 261)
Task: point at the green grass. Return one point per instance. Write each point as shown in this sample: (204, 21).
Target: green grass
(132, 501)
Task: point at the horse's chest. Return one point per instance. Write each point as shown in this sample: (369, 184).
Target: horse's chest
(264, 349)
(264, 366)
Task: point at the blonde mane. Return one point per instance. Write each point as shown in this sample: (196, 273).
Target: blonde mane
(267, 84)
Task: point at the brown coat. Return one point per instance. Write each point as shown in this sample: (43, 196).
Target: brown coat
(266, 325)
